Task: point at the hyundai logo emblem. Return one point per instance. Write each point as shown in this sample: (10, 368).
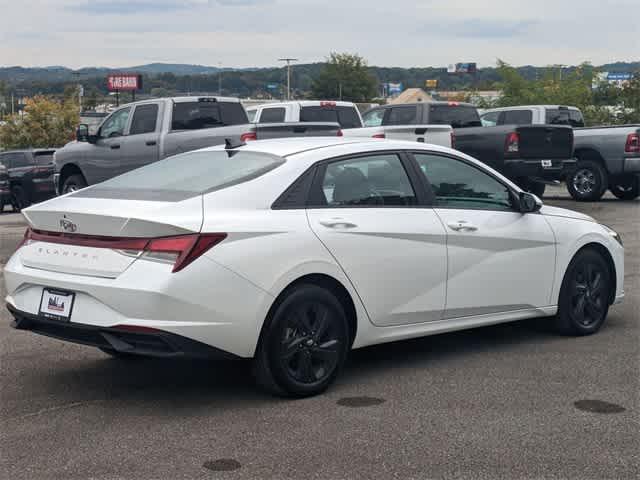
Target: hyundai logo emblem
(68, 225)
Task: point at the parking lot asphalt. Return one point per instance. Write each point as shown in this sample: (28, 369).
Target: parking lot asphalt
(495, 402)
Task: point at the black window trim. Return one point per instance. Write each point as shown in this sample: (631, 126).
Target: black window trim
(512, 193)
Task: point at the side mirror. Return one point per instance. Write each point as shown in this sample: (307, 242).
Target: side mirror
(82, 132)
(529, 203)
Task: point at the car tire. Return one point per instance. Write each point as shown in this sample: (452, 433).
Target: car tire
(532, 186)
(73, 183)
(303, 345)
(626, 190)
(587, 182)
(584, 295)
(19, 198)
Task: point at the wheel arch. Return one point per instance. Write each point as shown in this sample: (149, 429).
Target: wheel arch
(590, 153)
(328, 282)
(67, 170)
(608, 258)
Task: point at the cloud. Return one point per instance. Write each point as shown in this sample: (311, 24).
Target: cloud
(245, 33)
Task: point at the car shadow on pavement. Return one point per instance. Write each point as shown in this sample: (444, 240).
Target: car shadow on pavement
(210, 384)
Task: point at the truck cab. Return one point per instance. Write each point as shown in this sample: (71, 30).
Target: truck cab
(344, 113)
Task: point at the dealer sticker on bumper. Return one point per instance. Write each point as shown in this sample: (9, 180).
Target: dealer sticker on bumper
(546, 163)
(56, 304)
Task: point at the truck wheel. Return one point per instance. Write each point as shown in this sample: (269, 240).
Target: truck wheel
(628, 189)
(19, 198)
(531, 186)
(73, 183)
(587, 182)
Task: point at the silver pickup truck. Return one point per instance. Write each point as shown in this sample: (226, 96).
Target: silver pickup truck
(143, 132)
(608, 157)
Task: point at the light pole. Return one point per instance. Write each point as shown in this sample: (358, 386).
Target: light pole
(288, 60)
(219, 79)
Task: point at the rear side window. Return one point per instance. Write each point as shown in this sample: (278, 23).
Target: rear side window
(374, 118)
(402, 116)
(272, 115)
(564, 116)
(376, 180)
(456, 116)
(195, 115)
(233, 113)
(183, 176)
(144, 119)
(517, 117)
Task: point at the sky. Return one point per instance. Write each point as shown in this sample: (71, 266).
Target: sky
(255, 33)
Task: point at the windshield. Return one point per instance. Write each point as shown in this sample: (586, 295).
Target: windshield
(186, 175)
(347, 117)
(564, 116)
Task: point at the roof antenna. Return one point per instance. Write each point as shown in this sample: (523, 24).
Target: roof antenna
(231, 144)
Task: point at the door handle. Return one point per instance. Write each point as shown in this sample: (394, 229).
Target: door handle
(462, 226)
(151, 143)
(337, 223)
(115, 147)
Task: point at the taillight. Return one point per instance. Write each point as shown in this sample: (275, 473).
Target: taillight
(379, 135)
(453, 139)
(340, 134)
(512, 145)
(245, 137)
(180, 250)
(633, 143)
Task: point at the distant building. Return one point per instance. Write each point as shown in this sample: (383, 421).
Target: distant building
(412, 95)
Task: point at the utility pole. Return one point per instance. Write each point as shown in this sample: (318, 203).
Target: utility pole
(288, 60)
(219, 78)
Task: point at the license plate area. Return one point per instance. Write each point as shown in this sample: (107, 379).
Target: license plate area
(56, 304)
(547, 163)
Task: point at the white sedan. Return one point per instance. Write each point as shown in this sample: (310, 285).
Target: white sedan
(293, 252)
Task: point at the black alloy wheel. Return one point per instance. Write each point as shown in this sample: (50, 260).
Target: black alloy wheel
(304, 345)
(585, 295)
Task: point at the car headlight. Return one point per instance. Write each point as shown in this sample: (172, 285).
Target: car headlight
(614, 234)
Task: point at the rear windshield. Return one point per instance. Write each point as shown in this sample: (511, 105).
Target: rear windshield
(347, 117)
(197, 115)
(186, 175)
(564, 116)
(43, 158)
(456, 116)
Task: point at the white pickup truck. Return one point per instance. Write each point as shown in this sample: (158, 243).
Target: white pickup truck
(608, 157)
(350, 120)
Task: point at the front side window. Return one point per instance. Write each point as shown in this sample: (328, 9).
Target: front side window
(272, 115)
(115, 125)
(457, 184)
(374, 118)
(144, 119)
(376, 180)
(490, 119)
(517, 117)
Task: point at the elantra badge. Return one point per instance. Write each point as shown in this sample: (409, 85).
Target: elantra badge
(68, 225)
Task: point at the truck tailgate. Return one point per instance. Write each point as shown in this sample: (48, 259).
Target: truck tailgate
(545, 141)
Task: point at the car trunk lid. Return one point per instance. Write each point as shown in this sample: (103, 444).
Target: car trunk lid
(64, 225)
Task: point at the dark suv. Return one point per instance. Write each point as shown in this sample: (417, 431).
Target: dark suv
(30, 175)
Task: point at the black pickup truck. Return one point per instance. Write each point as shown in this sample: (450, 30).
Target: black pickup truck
(528, 155)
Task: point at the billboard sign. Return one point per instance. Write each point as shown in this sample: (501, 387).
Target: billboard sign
(393, 88)
(469, 67)
(432, 83)
(124, 82)
(618, 79)
(272, 86)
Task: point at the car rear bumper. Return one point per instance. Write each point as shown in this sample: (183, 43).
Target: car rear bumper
(147, 342)
(550, 170)
(631, 165)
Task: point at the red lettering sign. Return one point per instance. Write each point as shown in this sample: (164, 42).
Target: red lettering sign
(124, 82)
